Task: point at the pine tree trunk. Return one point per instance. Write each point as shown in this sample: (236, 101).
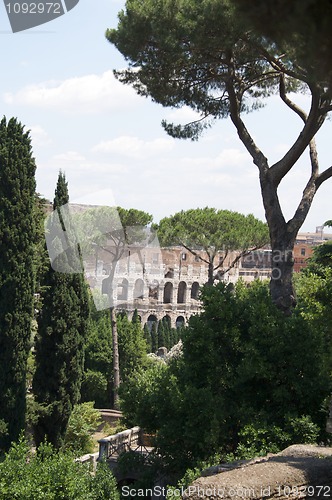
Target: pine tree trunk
(282, 239)
(281, 284)
(210, 274)
(116, 369)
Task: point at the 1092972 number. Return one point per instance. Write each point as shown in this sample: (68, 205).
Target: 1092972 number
(34, 8)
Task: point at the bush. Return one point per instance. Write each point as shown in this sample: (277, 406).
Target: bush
(94, 388)
(83, 421)
(51, 475)
(302, 430)
(258, 439)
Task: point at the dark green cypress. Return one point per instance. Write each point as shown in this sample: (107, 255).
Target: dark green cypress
(17, 240)
(154, 337)
(148, 338)
(62, 329)
(161, 334)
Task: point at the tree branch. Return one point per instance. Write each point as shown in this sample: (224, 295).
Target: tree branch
(194, 253)
(327, 174)
(282, 92)
(312, 124)
(234, 106)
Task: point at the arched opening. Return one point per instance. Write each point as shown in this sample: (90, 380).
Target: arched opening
(182, 292)
(167, 319)
(154, 290)
(179, 321)
(106, 286)
(139, 289)
(151, 319)
(123, 289)
(194, 290)
(168, 293)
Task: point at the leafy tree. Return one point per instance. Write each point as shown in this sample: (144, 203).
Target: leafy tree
(245, 365)
(98, 374)
(83, 421)
(52, 475)
(18, 236)
(62, 329)
(207, 56)
(132, 346)
(217, 232)
(98, 362)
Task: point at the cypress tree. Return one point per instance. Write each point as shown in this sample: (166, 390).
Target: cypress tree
(154, 337)
(148, 338)
(62, 329)
(161, 334)
(17, 239)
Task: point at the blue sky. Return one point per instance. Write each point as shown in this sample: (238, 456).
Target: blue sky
(57, 80)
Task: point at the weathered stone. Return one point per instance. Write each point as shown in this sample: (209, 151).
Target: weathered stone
(300, 471)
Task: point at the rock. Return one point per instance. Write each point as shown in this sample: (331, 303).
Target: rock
(299, 471)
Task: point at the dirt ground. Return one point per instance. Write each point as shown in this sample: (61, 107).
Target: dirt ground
(299, 471)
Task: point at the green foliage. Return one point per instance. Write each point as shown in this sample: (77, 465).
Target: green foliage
(148, 35)
(62, 329)
(83, 421)
(213, 231)
(18, 236)
(299, 27)
(154, 337)
(247, 376)
(148, 337)
(303, 430)
(94, 388)
(257, 439)
(98, 364)
(132, 346)
(50, 475)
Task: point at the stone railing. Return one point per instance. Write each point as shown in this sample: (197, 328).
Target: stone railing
(112, 446)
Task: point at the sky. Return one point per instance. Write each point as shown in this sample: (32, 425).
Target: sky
(57, 79)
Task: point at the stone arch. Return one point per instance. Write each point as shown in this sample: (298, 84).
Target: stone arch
(139, 289)
(151, 319)
(182, 288)
(168, 293)
(179, 321)
(167, 319)
(106, 286)
(122, 292)
(194, 290)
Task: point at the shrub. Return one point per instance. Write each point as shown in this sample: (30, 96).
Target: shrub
(51, 475)
(83, 421)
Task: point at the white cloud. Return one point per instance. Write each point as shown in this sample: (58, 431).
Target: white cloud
(133, 147)
(69, 157)
(39, 136)
(183, 115)
(85, 94)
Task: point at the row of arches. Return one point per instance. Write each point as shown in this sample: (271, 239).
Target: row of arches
(154, 291)
(180, 321)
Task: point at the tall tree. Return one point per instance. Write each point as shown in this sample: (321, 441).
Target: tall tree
(114, 230)
(207, 56)
(62, 328)
(17, 240)
(217, 233)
